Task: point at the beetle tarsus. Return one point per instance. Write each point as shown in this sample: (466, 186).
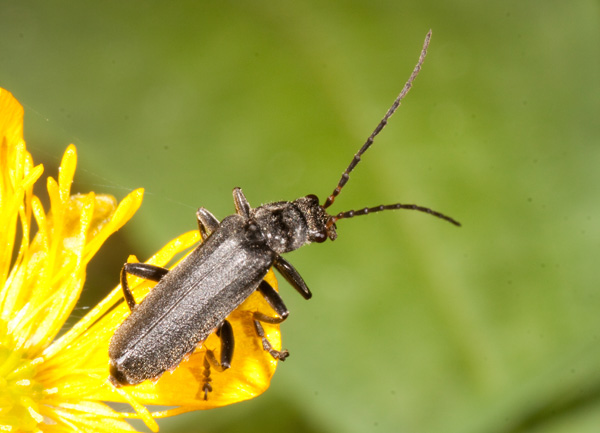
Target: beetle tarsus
(267, 346)
(206, 386)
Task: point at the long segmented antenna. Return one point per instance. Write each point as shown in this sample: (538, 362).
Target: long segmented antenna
(346, 175)
(352, 213)
(381, 125)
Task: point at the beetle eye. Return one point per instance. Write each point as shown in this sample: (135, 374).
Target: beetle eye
(320, 237)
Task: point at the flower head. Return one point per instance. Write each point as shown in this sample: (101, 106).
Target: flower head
(50, 384)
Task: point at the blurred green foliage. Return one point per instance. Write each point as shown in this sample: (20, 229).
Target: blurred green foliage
(415, 326)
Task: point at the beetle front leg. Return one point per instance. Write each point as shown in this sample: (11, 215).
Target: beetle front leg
(242, 207)
(292, 276)
(207, 223)
(142, 270)
(225, 333)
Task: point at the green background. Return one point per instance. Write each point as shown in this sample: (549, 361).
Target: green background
(415, 325)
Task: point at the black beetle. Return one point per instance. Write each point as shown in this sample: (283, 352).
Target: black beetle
(194, 299)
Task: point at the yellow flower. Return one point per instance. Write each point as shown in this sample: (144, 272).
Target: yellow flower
(50, 384)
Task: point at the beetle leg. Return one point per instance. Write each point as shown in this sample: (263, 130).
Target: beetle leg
(292, 276)
(142, 270)
(260, 331)
(275, 301)
(206, 386)
(207, 223)
(242, 207)
(225, 333)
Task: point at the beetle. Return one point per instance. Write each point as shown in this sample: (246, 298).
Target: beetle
(193, 300)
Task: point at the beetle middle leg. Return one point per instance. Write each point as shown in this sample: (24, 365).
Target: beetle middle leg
(275, 301)
(142, 270)
(225, 333)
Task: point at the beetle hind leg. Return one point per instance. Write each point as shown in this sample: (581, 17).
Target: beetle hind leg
(225, 333)
(206, 380)
(142, 270)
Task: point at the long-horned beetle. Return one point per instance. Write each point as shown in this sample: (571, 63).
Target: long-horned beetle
(193, 300)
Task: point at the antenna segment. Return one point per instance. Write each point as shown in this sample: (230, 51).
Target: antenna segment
(384, 121)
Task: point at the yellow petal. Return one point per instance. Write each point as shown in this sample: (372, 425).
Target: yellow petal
(60, 386)
(11, 121)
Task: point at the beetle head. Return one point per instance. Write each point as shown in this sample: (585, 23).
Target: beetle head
(317, 219)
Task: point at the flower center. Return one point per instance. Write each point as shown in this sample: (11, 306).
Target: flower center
(20, 393)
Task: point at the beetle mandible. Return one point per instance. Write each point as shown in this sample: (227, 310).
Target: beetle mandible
(193, 300)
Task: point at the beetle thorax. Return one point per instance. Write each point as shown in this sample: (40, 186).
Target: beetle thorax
(288, 226)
